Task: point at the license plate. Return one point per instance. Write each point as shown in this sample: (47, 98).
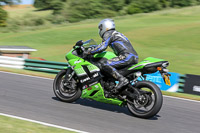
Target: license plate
(167, 80)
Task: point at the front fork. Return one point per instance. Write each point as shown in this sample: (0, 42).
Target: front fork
(68, 76)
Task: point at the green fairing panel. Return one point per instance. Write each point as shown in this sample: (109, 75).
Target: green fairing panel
(99, 95)
(70, 56)
(146, 61)
(79, 69)
(106, 54)
(76, 62)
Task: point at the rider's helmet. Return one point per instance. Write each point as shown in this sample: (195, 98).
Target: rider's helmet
(105, 25)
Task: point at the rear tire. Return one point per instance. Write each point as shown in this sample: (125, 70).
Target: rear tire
(67, 94)
(157, 102)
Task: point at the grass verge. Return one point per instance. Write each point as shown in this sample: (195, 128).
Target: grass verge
(172, 35)
(181, 95)
(12, 125)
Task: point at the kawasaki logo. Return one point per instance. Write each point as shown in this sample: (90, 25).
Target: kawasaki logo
(84, 80)
(76, 62)
(95, 75)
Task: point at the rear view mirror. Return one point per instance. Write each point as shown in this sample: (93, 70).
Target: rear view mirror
(79, 43)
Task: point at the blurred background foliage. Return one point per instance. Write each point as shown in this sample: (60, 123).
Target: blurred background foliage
(68, 11)
(3, 17)
(3, 13)
(171, 33)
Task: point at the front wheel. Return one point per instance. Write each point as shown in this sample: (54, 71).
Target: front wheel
(149, 103)
(65, 88)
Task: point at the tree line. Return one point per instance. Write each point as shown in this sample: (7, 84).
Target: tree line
(3, 14)
(77, 10)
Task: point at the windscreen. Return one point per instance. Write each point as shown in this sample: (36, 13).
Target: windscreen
(89, 43)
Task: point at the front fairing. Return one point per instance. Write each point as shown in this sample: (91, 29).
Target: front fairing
(70, 55)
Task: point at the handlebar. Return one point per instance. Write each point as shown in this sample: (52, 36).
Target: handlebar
(80, 51)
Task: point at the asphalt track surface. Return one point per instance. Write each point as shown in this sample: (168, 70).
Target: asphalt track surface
(33, 98)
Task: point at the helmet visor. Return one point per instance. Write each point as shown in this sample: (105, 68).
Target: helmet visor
(100, 29)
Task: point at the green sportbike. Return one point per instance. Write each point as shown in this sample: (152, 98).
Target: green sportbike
(83, 79)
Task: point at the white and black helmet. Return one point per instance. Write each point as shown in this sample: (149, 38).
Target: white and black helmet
(105, 25)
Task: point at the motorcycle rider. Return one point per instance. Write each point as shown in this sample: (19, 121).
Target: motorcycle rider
(126, 55)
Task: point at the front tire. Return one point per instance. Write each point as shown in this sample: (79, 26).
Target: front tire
(154, 104)
(66, 91)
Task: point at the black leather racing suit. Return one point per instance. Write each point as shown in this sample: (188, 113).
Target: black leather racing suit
(121, 46)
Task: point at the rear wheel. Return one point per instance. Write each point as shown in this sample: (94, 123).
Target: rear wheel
(149, 103)
(65, 88)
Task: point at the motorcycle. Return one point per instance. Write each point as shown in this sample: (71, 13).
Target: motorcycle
(82, 78)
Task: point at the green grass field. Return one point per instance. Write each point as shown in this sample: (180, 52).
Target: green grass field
(11, 125)
(171, 34)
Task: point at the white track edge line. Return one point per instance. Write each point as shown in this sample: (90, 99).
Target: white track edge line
(42, 123)
(190, 100)
(52, 79)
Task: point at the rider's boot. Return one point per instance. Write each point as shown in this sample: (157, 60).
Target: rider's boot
(122, 81)
(115, 74)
